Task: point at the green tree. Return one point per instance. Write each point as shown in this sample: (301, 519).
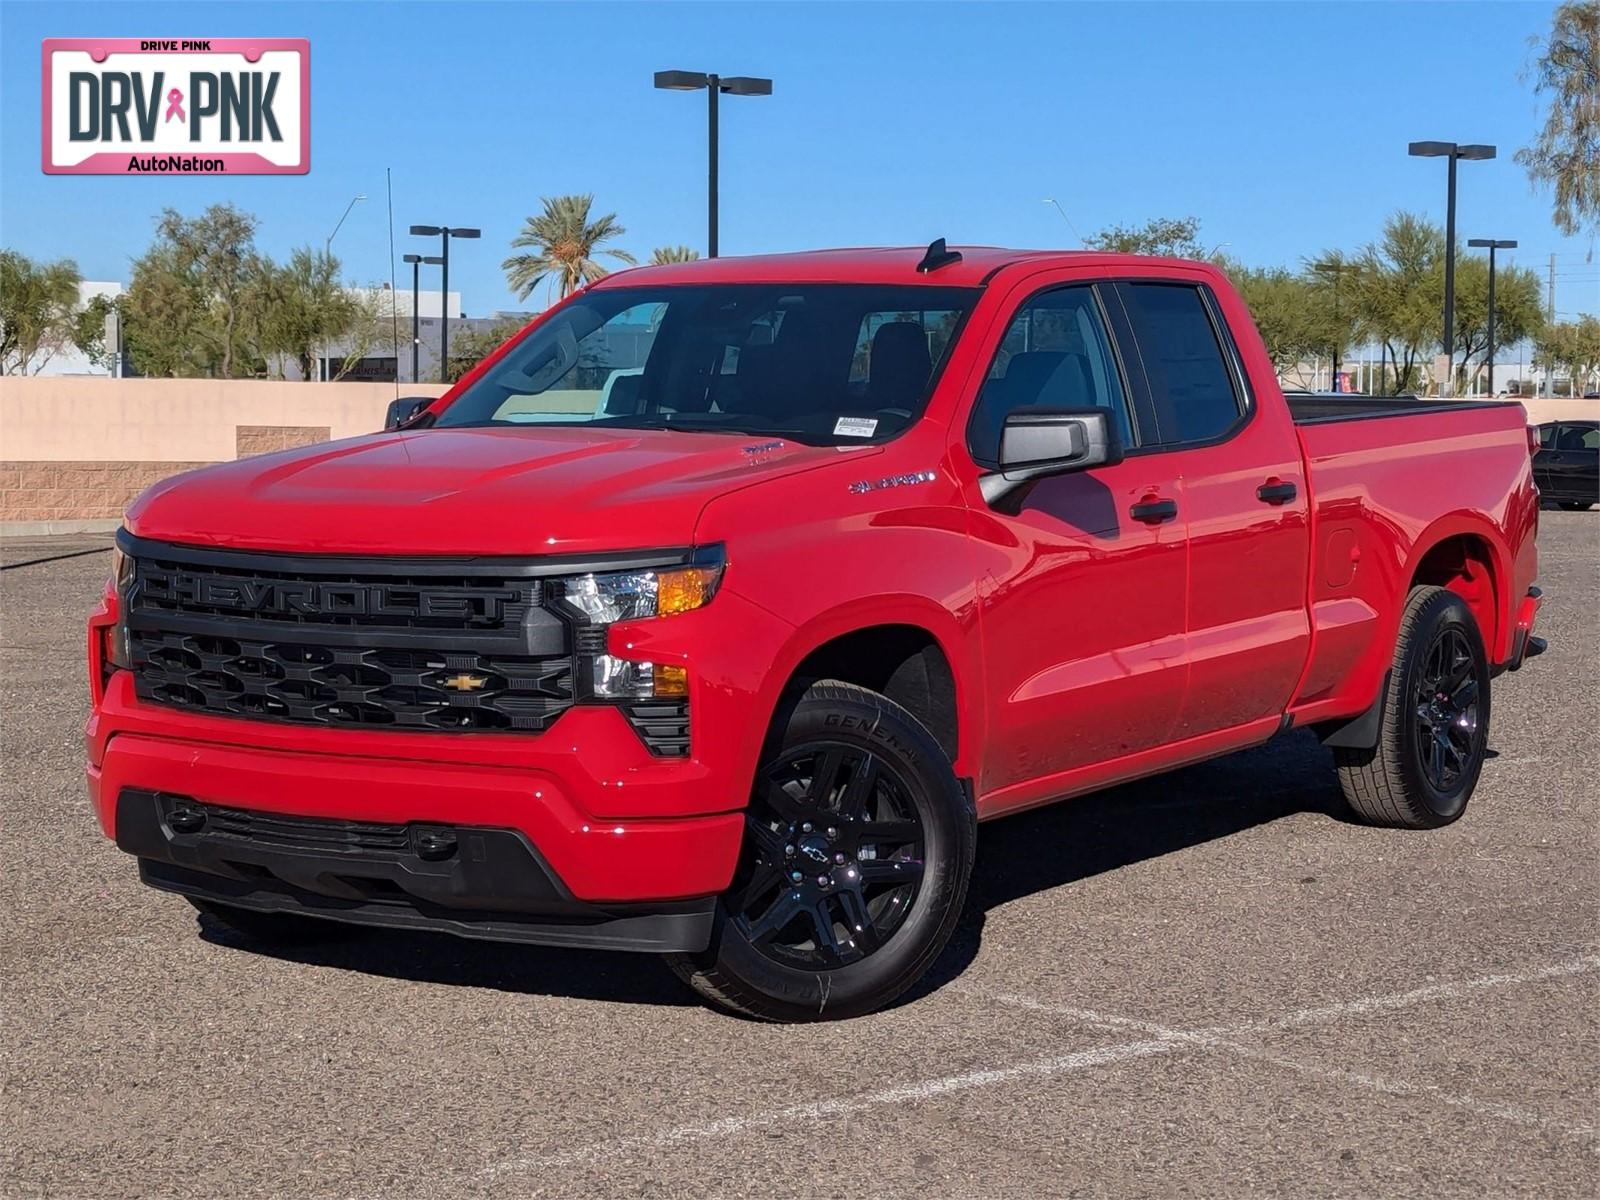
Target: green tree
(1573, 347)
(1518, 311)
(40, 315)
(194, 306)
(304, 308)
(663, 255)
(565, 246)
(1285, 311)
(1400, 295)
(468, 349)
(1565, 157)
(1165, 237)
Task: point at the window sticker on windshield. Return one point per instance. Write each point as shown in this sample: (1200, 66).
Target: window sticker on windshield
(855, 427)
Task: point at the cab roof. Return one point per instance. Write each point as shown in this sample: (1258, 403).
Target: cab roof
(897, 264)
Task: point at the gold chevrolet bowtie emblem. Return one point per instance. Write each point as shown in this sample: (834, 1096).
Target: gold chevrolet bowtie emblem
(466, 683)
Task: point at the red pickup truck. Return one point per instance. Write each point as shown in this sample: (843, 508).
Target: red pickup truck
(710, 613)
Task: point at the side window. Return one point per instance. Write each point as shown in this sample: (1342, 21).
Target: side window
(1191, 385)
(1055, 355)
(1547, 436)
(1578, 437)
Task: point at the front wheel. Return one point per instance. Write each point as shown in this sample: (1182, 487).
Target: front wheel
(1435, 730)
(858, 847)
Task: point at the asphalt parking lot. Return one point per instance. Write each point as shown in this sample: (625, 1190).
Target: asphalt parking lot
(1209, 983)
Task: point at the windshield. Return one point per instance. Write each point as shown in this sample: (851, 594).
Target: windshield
(821, 363)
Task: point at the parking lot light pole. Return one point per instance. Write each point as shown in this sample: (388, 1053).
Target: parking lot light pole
(1452, 151)
(733, 85)
(444, 233)
(416, 261)
(327, 253)
(1491, 244)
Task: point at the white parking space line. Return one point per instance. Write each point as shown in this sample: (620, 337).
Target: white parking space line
(1215, 1040)
(1163, 1041)
(909, 1093)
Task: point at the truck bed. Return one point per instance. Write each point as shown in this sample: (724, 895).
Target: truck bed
(1318, 408)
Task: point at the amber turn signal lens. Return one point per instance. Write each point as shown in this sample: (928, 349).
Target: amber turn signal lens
(685, 589)
(671, 681)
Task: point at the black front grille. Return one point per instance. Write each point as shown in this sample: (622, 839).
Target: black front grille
(334, 685)
(469, 646)
(319, 834)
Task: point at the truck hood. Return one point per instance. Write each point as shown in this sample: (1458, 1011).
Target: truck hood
(527, 490)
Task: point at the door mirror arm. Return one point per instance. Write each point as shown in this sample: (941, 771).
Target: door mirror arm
(1038, 442)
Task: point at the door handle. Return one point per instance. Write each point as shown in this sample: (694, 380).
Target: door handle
(1153, 512)
(1275, 491)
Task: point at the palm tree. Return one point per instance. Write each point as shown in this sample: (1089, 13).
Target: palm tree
(673, 254)
(564, 243)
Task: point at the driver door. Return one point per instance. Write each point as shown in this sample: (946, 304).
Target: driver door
(1082, 583)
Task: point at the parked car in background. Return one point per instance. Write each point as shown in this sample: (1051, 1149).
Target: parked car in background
(1567, 465)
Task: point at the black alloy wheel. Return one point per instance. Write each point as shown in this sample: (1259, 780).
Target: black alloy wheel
(1446, 705)
(834, 857)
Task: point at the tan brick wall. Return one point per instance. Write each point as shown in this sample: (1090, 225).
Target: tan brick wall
(250, 440)
(51, 491)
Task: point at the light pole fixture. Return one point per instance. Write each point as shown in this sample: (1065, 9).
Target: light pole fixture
(327, 253)
(416, 261)
(1452, 151)
(444, 233)
(733, 85)
(1491, 244)
(1051, 200)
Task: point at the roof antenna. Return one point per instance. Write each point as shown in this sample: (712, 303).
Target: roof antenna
(937, 256)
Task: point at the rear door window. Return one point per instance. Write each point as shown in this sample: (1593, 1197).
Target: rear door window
(1192, 384)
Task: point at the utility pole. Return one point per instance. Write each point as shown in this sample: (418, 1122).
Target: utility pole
(1550, 318)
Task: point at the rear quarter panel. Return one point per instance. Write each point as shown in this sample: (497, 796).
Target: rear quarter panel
(1384, 492)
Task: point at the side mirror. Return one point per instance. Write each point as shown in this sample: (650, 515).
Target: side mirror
(403, 409)
(1039, 442)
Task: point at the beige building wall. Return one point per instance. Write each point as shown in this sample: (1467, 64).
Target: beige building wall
(75, 450)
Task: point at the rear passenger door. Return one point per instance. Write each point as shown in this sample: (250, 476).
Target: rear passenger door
(1247, 631)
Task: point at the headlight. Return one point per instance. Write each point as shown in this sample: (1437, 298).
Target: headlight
(605, 599)
(117, 652)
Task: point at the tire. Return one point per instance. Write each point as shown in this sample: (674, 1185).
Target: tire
(1435, 729)
(857, 797)
(1575, 505)
(272, 928)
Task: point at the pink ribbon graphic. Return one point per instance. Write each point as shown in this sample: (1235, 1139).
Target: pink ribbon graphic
(175, 105)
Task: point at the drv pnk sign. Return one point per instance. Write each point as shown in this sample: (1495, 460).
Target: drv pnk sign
(208, 106)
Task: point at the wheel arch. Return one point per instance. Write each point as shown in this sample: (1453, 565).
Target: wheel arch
(1465, 554)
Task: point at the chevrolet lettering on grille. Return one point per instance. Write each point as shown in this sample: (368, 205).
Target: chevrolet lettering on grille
(312, 599)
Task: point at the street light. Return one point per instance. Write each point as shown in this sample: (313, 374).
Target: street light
(733, 85)
(1064, 217)
(1491, 244)
(1452, 151)
(444, 233)
(327, 253)
(416, 261)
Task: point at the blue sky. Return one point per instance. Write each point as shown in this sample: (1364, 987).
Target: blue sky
(1283, 127)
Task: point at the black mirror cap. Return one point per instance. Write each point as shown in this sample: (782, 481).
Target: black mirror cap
(1039, 442)
(403, 409)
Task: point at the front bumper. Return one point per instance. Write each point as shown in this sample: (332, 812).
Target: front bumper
(530, 863)
(464, 880)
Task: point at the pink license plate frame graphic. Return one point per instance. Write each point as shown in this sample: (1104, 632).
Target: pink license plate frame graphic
(234, 162)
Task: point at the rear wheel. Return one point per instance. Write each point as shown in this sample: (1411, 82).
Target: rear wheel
(280, 929)
(1430, 750)
(858, 848)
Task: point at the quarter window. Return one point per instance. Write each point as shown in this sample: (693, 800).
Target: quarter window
(1190, 384)
(1055, 355)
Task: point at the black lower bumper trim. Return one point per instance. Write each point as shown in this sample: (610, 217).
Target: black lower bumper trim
(468, 881)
